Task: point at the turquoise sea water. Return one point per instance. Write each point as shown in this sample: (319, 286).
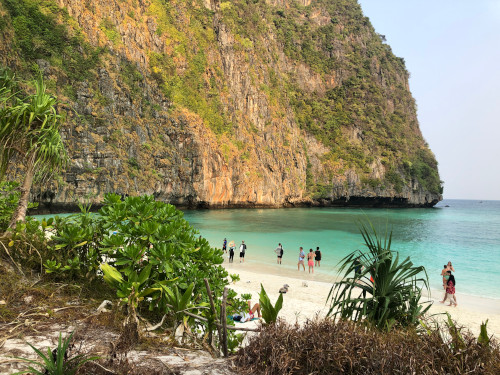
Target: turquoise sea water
(467, 233)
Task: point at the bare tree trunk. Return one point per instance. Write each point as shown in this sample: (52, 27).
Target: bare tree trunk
(22, 206)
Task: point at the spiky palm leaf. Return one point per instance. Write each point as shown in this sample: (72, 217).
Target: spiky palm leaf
(56, 364)
(393, 296)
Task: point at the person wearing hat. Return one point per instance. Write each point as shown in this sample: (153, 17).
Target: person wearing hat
(231, 251)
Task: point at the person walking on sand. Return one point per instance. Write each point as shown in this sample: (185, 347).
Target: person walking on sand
(317, 258)
(243, 249)
(445, 276)
(450, 291)
(302, 255)
(310, 260)
(224, 245)
(279, 253)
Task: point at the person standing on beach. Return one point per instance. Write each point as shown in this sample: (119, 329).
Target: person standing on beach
(445, 276)
(317, 258)
(358, 267)
(450, 290)
(224, 245)
(231, 252)
(310, 260)
(243, 248)
(302, 255)
(279, 253)
(449, 267)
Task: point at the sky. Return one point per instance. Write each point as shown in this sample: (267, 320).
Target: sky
(452, 51)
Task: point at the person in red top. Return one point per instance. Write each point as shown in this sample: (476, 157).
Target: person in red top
(450, 290)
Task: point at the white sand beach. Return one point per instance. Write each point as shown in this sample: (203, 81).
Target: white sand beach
(305, 302)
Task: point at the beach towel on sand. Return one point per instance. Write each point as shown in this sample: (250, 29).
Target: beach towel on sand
(237, 319)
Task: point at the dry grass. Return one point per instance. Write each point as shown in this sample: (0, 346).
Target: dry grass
(40, 308)
(326, 347)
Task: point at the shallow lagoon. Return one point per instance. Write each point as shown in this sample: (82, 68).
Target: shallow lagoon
(467, 233)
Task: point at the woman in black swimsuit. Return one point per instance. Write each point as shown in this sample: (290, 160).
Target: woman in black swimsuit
(318, 257)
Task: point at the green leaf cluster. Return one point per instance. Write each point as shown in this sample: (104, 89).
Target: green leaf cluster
(9, 198)
(386, 292)
(56, 364)
(269, 312)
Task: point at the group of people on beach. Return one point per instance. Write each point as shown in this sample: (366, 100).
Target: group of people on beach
(313, 259)
(232, 247)
(449, 284)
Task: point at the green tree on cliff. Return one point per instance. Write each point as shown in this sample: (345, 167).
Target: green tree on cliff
(29, 135)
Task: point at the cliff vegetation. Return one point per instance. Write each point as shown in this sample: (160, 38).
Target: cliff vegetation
(224, 103)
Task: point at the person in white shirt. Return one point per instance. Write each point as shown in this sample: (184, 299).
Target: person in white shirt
(243, 248)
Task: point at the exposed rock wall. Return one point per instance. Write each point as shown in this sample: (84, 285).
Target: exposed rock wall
(127, 136)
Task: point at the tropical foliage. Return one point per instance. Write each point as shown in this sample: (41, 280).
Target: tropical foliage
(56, 362)
(29, 131)
(147, 252)
(386, 292)
(9, 198)
(269, 312)
(40, 34)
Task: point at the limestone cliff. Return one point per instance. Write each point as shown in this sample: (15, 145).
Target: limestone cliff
(206, 103)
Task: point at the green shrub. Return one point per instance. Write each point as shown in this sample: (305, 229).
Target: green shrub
(110, 31)
(394, 178)
(149, 250)
(386, 293)
(74, 249)
(9, 197)
(424, 169)
(246, 296)
(26, 245)
(234, 277)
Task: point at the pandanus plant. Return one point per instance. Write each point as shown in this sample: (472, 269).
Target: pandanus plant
(29, 133)
(377, 286)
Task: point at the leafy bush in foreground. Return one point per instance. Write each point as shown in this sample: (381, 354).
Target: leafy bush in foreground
(143, 240)
(344, 347)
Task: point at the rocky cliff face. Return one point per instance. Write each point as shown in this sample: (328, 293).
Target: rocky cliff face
(216, 104)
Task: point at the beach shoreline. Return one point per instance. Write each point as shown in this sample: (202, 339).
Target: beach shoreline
(309, 300)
